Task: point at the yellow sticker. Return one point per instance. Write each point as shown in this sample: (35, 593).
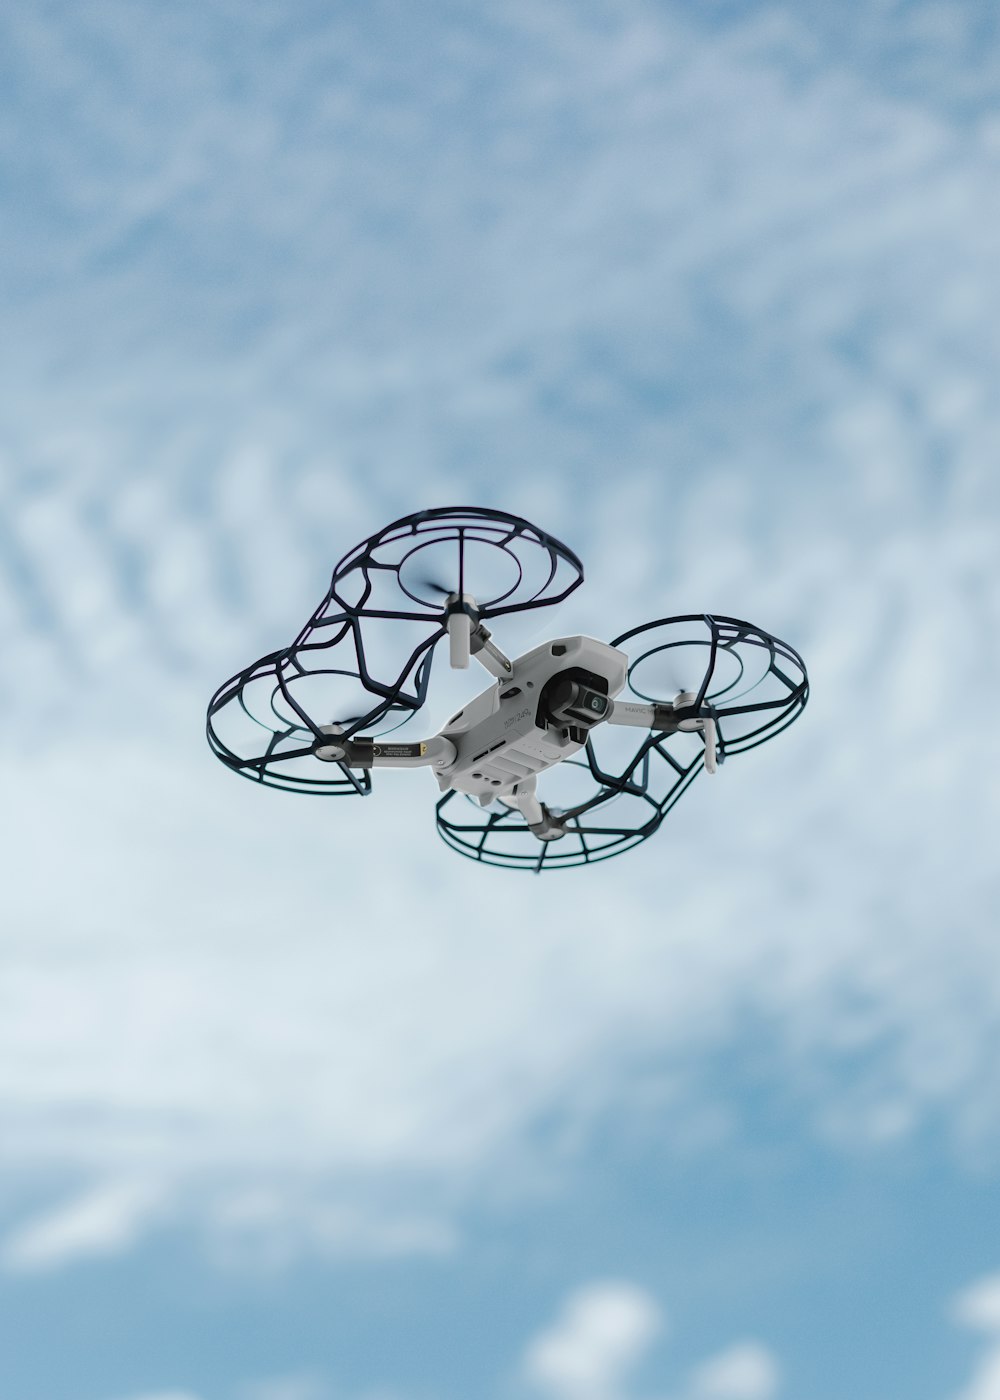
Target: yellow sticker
(423, 750)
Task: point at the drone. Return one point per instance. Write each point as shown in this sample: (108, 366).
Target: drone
(624, 726)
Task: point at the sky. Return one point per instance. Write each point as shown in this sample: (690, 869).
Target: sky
(295, 1104)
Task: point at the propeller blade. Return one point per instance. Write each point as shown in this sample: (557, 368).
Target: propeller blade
(675, 678)
(671, 669)
(433, 585)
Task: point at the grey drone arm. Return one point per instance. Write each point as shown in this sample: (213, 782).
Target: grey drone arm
(468, 637)
(359, 752)
(667, 719)
(489, 655)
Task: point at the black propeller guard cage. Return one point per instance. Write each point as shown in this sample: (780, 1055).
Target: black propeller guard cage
(281, 731)
(648, 784)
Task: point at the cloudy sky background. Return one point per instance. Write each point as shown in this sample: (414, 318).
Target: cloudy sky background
(294, 1103)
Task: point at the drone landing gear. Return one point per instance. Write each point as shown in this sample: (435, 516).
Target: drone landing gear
(543, 824)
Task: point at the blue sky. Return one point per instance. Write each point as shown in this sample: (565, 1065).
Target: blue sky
(711, 293)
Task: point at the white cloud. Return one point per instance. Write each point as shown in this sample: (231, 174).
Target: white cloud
(269, 1227)
(299, 1386)
(103, 1221)
(162, 1395)
(605, 1330)
(290, 1387)
(601, 1333)
(745, 1371)
(985, 1382)
(978, 1306)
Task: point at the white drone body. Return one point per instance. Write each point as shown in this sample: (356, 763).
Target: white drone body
(538, 712)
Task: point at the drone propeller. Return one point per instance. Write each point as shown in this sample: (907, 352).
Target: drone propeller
(434, 586)
(676, 682)
(460, 623)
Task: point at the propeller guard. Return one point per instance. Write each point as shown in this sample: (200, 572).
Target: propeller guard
(266, 721)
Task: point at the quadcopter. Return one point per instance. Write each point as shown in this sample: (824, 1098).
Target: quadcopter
(625, 726)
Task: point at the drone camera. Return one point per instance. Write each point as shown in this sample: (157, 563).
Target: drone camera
(574, 704)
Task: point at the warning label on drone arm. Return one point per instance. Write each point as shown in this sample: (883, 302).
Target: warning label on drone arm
(394, 753)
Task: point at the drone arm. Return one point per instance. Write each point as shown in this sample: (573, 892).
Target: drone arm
(438, 753)
(669, 720)
(642, 716)
(468, 637)
(489, 655)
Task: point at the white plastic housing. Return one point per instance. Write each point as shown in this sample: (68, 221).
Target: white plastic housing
(498, 738)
